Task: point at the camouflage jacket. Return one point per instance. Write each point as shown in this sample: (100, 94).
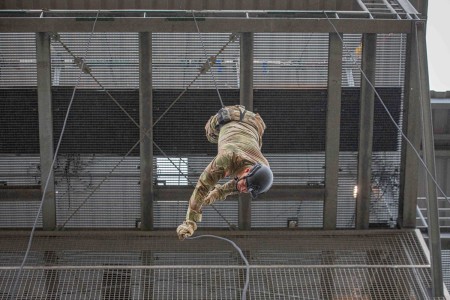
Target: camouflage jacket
(239, 146)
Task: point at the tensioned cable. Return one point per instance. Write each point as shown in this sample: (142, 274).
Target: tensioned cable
(387, 110)
(247, 265)
(87, 70)
(244, 292)
(231, 39)
(14, 291)
(115, 167)
(207, 59)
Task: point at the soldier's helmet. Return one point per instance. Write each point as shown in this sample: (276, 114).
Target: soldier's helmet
(259, 180)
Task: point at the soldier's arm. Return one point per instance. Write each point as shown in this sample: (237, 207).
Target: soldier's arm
(221, 192)
(216, 170)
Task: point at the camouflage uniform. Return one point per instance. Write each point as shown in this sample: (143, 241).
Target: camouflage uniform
(239, 146)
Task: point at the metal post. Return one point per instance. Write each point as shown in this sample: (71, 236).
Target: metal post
(411, 126)
(428, 155)
(333, 131)
(146, 122)
(246, 99)
(44, 90)
(367, 97)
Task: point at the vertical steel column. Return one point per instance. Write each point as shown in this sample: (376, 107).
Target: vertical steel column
(428, 155)
(411, 125)
(44, 90)
(246, 99)
(366, 117)
(146, 122)
(333, 131)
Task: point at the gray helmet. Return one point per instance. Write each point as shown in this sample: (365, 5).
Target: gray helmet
(259, 180)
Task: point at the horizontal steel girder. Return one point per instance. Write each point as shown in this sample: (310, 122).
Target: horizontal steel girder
(278, 192)
(20, 193)
(345, 22)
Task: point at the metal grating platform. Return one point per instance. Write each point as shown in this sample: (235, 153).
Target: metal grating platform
(388, 264)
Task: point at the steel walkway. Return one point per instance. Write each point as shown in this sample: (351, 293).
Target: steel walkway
(375, 264)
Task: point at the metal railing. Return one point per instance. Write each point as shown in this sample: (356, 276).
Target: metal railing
(422, 213)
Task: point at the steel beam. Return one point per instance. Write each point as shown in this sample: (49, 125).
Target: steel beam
(411, 126)
(213, 25)
(20, 193)
(177, 5)
(278, 192)
(366, 117)
(407, 7)
(246, 99)
(429, 158)
(146, 122)
(333, 131)
(254, 240)
(44, 89)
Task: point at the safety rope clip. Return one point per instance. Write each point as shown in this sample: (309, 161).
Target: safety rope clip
(56, 36)
(233, 37)
(82, 65)
(207, 65)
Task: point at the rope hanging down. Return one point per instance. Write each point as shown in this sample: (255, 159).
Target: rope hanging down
(203, 70)
(416, 152)
(209, 62)
(87, 70)
(30, 241)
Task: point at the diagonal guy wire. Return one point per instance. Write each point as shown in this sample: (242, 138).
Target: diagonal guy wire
(87, 70)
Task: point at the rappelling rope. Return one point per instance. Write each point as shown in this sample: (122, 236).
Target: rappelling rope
(44, 192)
(209, 67)
(387, 110)
(209, 63)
